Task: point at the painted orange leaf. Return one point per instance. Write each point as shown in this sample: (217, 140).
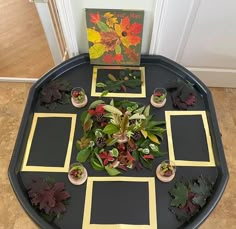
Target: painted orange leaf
(131, 54)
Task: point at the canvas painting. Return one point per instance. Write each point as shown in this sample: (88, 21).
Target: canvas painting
(114, 36)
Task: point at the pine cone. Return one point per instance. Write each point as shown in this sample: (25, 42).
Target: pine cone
(136, 136)
(132, 121)
(100, 142)
(99, 117)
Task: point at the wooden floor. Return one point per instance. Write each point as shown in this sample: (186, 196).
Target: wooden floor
(24, 51)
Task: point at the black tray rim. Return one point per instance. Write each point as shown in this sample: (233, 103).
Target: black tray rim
(185, 74)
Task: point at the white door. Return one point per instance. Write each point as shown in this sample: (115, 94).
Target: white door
(199, 34)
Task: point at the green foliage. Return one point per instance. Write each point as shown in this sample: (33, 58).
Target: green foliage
(113, 137)
(112, 171)
(83, 155)
(190, 197)
(127, 78)
(180, 195)
(110, 129)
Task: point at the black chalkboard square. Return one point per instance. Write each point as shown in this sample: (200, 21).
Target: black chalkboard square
(189, 139)
(129, 202)
(49, 144)
(100, 75)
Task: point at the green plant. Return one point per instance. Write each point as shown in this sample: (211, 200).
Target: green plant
(127, 78)
(122, 135)
(167, 169)
(159, 95)
(188, 198)
(77, 171)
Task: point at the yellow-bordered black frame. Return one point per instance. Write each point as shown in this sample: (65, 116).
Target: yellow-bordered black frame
(152, 203)
(65, 168)
(211, 162)
(120, 95)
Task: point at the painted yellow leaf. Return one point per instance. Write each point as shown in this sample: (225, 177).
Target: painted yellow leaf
(108, 15)
(153, 138)
(144, 133)
(93, 36)
(111, 21)
(96, 51)
(118, 29)
(125, 41)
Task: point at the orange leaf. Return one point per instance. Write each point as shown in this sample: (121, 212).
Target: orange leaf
(131, 54)
(134, 40)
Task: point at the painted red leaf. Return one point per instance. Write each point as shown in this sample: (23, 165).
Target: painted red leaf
(95, 18)
(108, 58)
(135, 28)
(118, 58)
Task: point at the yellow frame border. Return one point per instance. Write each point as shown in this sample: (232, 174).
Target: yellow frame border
(120, 95)
(211, 162)
(65, 168)
(152, 203)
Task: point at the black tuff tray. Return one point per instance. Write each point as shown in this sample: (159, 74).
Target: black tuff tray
(158, 71)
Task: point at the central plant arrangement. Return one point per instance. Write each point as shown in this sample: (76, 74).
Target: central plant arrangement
(119, 136)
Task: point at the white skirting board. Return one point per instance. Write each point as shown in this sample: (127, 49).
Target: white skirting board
(215, 77)
(18, 80)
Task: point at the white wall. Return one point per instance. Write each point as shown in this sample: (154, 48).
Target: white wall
(78, 11)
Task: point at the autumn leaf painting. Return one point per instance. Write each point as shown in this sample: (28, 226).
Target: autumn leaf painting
(114, 36)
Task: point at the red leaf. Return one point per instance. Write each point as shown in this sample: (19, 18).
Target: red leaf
(108, 58)
(92, 112)
(135, 29)
(47, 196)
(98, 111)
(191, 100)
(149, 156)
(118, 58)
(106, 156)
(95, 18)
(103, 155)
(122, 167)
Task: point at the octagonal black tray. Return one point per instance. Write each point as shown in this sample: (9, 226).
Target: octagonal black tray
(158, 70)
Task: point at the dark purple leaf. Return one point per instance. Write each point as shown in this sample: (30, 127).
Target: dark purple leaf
(48, 197)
